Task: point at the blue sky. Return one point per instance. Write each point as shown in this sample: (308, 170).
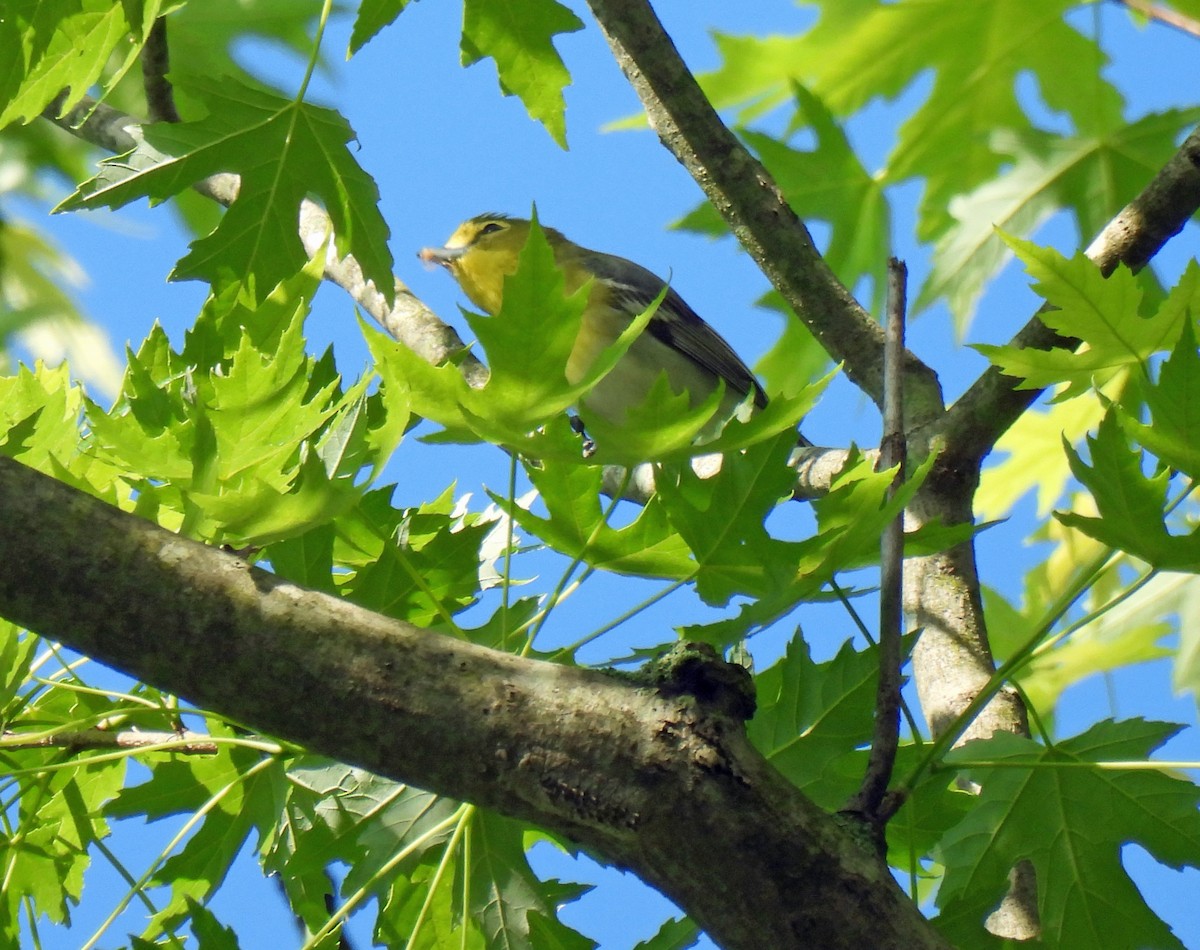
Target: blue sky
(443, 145)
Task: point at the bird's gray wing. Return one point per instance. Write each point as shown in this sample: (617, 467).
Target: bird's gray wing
(675, 324)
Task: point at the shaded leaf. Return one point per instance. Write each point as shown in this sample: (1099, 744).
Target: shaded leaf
(507, 901)
(1094, 175)
(1070, 818)
(812, 714)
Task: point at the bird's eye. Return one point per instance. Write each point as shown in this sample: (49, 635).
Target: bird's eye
(491, 228)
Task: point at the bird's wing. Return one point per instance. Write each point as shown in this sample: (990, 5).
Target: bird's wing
(677, 325)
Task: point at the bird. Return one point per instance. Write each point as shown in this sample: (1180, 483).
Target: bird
(483, 250)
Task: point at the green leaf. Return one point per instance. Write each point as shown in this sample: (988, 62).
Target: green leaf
(496, 632)
(259, 406)
(575, 525)
(428, 573)
(933, 807)
(850, 520)
(1103, 312)
(256, 447)
(240, 795)
(506, 900)
(518, 36)
(1093, 175)
(862, 50)
(60, 818)
(1173, 400)
(722, 519)
(1132, 506)
(852, 517)
(970, 251)
(284, 151)
(336, 813)
(67, 45)
(665, 425)
(1071, 817)
(675, 934)
(208, 37)
(209, 933)
(810, 715)
(529, 382)
(305, 558)
(795, 358)
(1129, 633)
(779, 417)
(1033, 457)
(373, 16)
(39, 416)
(342, 813)
(1186, 674)
(424, 912)
(17, 649)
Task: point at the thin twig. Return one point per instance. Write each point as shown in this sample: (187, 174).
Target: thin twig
(186, 742)
(156, 63)
(870, 800)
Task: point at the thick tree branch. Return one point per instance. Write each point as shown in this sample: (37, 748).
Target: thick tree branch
(654, 779)
(750, 201)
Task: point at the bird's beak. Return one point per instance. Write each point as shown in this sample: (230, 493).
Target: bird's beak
(440, 255)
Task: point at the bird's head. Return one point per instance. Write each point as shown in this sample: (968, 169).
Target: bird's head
(481, 252)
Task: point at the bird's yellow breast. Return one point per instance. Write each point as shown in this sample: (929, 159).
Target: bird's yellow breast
(481, 273)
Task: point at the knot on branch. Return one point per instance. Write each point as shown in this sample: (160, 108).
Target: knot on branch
(696, 669)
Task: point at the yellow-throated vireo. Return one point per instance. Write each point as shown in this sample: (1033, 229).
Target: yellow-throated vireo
(483, 250)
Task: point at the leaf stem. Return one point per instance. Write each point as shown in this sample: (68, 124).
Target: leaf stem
(314, 58)
(536, 623)
(506, 579)
(198, 816)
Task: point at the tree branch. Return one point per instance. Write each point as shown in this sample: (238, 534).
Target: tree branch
(993, 402)
(407, 319)
(1165, 15)
(156, 63)
(185, 742)
(744, 194)
(654, 779)
(953, 659)
(870, 799)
